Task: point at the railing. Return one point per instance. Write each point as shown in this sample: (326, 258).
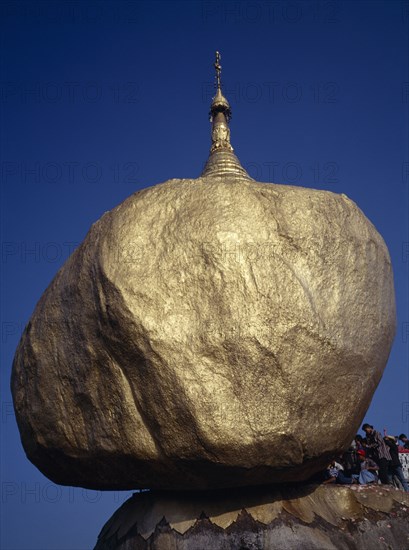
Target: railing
(404, 459)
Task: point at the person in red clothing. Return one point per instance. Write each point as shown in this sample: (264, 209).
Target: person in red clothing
(369, 469)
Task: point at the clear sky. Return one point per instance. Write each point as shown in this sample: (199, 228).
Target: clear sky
(99, 99)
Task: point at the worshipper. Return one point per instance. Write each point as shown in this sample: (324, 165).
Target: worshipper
(405, 441)
(335, 474)
(359, 442)
(331, 473)
(400, 447)
(351, 462)
(395, 465)
(369, 470)
(377, 449)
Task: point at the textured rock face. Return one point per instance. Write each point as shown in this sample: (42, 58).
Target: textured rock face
(207, 333)
(297, 518)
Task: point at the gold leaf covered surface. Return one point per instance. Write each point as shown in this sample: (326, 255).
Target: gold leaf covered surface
(209, 332)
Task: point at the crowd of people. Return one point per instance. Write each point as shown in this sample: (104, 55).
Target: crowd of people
(372, 458)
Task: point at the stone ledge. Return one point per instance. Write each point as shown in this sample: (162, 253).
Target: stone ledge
(308, 517)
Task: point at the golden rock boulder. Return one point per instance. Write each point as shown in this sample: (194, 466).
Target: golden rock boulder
(209, 332)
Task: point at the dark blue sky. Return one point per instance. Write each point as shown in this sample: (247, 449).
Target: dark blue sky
(99, 99)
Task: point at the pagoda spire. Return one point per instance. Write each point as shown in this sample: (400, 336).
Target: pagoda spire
(218, 68)
(220, 114)
(222, 161)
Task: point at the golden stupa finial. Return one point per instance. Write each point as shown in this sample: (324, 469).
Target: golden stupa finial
(220, 113)
(222, 161)
(219, 103)
(218, 68)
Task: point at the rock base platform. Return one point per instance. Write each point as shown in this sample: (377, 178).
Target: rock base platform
(308, 517)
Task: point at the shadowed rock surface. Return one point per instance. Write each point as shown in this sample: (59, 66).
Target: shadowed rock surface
(207, 333)
(297, 518)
